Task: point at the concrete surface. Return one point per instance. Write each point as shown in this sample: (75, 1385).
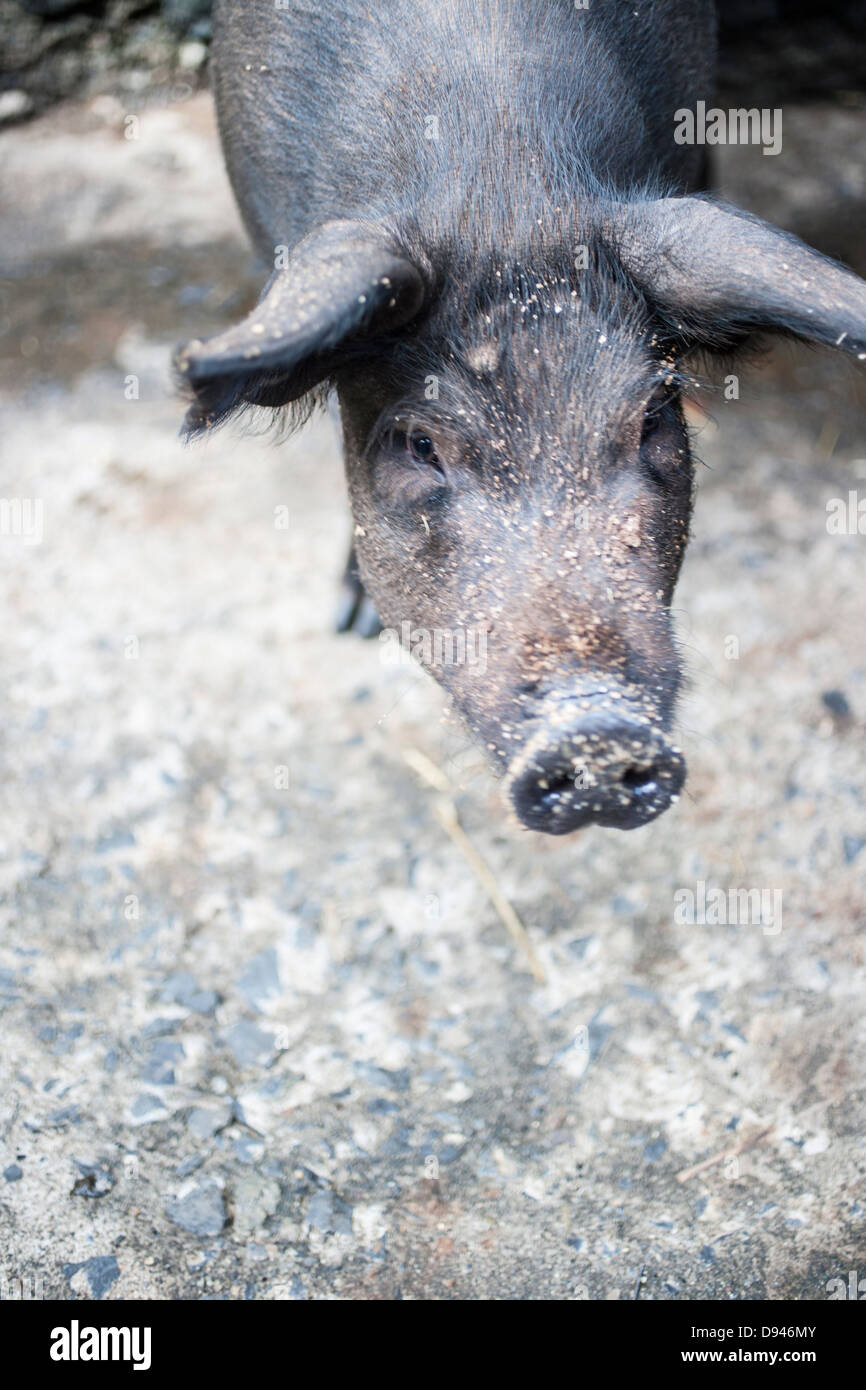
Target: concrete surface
(263, 1035)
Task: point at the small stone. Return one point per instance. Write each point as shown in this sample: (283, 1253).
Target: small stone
(622, 906)
(192, 55)
(96, 1180)
(260, 981)
(145, 1109)
(381, 1077)
(13, 1173)
(249, 1044)
(66, 1115)
(159, 1027)
(818, 1144)
(289, 1290)
(15, 105)
(459, 1092)
(99, 1273)
(329, 1213)
(200, 1210)
(837, 703)
(182, 988)
(116, 839)
(255, 1110)
(207, 1120)
(255, 1199)
(654, 1149)
(248, 1150)
(851, 846)
(189, 1165)
(159, 1069)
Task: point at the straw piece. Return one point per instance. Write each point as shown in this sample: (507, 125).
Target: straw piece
(446, 814)
(711, 1162)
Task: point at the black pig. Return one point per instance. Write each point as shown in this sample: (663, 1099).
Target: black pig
(488, 242)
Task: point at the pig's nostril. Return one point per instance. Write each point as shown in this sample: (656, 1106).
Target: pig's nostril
(643, 781)
(553, 788)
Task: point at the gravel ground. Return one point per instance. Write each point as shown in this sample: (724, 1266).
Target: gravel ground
(56, 49)
(263, 1034)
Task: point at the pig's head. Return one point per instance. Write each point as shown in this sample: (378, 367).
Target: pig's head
(518, 464)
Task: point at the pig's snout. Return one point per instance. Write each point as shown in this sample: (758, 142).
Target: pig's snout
(602, 767)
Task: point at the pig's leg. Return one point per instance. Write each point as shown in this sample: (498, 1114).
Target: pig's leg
(355, 611)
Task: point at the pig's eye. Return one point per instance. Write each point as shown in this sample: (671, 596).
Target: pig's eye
(654, 416)
(421, 448)
(664, 451)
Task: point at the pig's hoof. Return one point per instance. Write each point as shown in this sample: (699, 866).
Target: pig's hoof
(355, 611)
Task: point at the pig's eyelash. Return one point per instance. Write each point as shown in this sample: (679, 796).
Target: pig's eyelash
(396, 432)
(391, 423)
(661, 397)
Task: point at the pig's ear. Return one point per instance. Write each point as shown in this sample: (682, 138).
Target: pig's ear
(717, 274)
(345, 282)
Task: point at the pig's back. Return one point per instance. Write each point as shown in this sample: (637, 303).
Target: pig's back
(376, 107)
